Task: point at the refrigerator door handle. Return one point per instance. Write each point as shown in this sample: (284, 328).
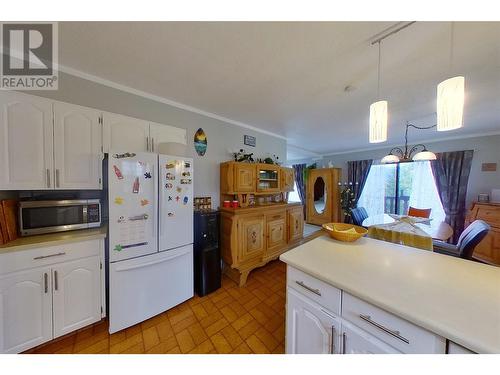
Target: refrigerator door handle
(148, 263)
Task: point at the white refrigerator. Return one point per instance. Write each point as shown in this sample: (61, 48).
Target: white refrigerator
(150, 240)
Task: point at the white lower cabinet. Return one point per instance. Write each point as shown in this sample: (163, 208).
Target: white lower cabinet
(310, 329)
(357, 341)
(25, 310)
(77, 295)
(49, 292)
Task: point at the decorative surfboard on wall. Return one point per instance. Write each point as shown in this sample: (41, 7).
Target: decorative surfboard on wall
(200, 142)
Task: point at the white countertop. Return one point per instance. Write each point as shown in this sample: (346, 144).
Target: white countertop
(452, 297)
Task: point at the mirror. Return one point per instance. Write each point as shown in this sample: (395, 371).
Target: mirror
(319, 195)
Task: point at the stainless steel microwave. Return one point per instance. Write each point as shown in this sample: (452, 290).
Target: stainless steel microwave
(38, 217)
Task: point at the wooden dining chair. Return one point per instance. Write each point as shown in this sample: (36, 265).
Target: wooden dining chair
(419, 212)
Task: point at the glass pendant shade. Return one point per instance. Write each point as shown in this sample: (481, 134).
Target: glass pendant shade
(450, 103)
(390, 159)
(378, 122)
(424, 156)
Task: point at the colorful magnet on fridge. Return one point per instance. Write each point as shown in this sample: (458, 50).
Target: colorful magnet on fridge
(170, 214)
(144, 202)
(169, 198)
(170, 176)
(179, 189)
(135, 186)
(147, 175)
(177, 198)
(141, 164)
(118, 248)
(169, 165)
(185, 200)
(118, 173)
(186, 181)
(119, 200)
(168, 185)
(121, 219)
(125, 155)
(186, 174)
(187, 164)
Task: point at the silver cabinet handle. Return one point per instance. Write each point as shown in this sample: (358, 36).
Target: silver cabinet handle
(49, 256)
(57, 177)
(152, 144)
(344, 339)
(147, 143)
(396, 334)
(315, 291)
(48, 177)
(56, 283)
(332, 348)
(46, 282)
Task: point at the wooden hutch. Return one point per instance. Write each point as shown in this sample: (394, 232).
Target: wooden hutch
(265, 225)
(488, 250)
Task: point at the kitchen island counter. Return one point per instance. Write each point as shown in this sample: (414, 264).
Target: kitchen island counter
(452, 297)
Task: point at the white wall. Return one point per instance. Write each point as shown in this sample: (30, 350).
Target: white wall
(221, 136)
(486, 150)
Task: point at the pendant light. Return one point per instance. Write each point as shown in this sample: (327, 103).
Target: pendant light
(450, 98)
(378, 113)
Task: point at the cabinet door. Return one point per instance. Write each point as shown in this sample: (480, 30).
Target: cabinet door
(295, 224)
(251, 236)
(77, 147)
(77, 294)
(26, 142)
(287, 179)
(244, 177)
(488, 250)
(357, 341)
(121, 133)
(161, 134)
(276, 233)
(310, 329)
(268, 178)
(25, 310)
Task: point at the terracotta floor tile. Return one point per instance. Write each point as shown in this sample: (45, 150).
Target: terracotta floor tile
(258, 315)
(237, 308)
(153, 321)
(150, 338)
(175, 350)
(250, 304)
(89, 341)
(280, 349)
(197, 333)
(229, 314)
(164, 346)
(256, 345)
(135, 349)
(199, 311)
(216, 327)
(183, 324)
(221, 344)
(117, 337)
(249, 329)
(127, 343)
(209, 306)
(279, 333)
(232, 337)
(164, 330)
(134, 330)
(210, 319)
(267, 338)
(95, 348)
(243, 348)
(180, 316)
(186, 343)
(242, 321)
(204, 348)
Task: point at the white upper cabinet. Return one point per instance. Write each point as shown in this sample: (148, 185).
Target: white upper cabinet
(26, 142)
(125, 133)
(77, 294)
(25, 310)
(161, 133)
(77, 147)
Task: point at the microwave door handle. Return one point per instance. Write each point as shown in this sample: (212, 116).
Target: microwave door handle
(84, 214)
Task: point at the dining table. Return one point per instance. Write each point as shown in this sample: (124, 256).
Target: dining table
(436, 229)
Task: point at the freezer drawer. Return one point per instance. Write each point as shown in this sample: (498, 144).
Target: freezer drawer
(144, 287)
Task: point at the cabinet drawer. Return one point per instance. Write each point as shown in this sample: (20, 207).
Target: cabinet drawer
(317, 290)
(43, 256)
(397, 332)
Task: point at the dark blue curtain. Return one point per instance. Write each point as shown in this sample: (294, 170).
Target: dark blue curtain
(299, 181)
(451, 173)
(357, 173)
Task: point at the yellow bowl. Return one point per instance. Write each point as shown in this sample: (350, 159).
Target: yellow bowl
(344, 232)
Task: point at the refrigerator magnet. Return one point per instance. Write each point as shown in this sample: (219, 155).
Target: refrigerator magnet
(168, 185)
(170, 176)
(144, 202)
(118, 173)
(187, 164)
(169, 198)
(125, 155)
(186, 174)
(121, 219)
(179, 189)
(119, 200)
(169, 166)
(170, 214)
(135, 186)
(118, 248)
(185, 200)
(177, 198)
(147, 175)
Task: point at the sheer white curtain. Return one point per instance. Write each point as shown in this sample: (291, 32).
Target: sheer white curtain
(424, 193)
(373, 195)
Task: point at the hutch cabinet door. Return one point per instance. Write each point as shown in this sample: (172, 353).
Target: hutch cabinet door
(309, 328)
(77, 147)
(268, 178)
(295, 224)
(276, 233)
(122, 133)
(244, 177)
(26, 142)
(287, 179)
(252, 242)
(77, 294)
(25, 310)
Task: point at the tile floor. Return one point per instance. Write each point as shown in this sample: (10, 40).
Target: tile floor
(250, 319)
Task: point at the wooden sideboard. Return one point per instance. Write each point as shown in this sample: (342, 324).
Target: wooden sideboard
(253, 236)
(488, 250)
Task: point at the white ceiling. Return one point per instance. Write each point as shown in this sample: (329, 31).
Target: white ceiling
(288, 78)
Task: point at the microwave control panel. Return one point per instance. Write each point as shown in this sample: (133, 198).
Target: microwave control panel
(93, 214)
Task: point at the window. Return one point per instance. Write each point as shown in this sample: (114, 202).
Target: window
(293, 196)
(392, 188)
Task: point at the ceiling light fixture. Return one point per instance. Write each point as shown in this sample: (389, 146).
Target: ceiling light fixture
(378, 112)
(398, 155)
(450, 97)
